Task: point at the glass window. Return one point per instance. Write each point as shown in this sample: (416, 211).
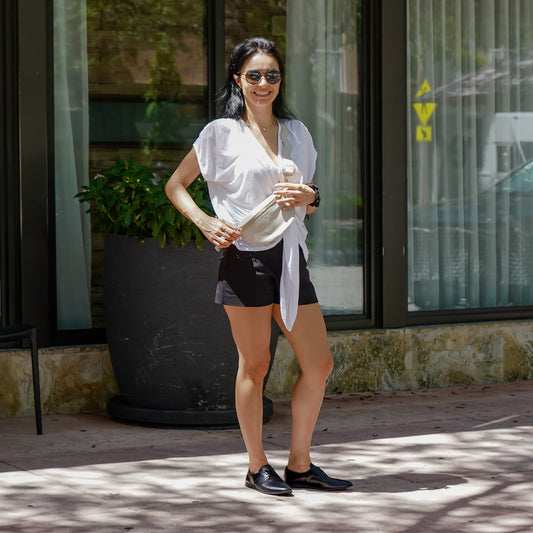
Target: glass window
(130, 80)
(322, 88)
(470, 147)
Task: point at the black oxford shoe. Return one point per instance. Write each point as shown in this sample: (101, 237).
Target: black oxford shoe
(315, 478)
(268, 482)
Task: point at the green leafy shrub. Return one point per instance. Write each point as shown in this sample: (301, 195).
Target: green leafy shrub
(127, 199)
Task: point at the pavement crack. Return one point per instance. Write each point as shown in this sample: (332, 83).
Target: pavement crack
(20, 469)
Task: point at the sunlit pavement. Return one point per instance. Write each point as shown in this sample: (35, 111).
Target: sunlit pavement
(447, 460)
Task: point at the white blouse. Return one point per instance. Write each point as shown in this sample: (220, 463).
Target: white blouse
(240, 174)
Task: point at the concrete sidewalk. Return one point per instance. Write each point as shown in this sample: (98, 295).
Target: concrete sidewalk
(446, 460)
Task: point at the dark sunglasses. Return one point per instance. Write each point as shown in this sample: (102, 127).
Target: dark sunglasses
(254, 76)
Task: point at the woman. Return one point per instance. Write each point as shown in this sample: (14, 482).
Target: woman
(240, 157)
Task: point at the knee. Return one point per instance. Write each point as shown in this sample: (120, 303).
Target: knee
(327, 365)
(255, 369)
(321, 367)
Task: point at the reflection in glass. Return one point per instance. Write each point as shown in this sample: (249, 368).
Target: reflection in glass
(147, 68)
(147, 80)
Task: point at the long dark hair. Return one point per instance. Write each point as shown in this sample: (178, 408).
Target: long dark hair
(230, 100)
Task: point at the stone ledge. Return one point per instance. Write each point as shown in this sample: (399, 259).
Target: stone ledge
(80, 379)
(73, 380)
(417, 357)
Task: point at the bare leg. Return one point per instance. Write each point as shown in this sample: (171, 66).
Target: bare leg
(309, 341)
(251, 327)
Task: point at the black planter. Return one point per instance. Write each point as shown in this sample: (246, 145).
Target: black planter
(171, 347)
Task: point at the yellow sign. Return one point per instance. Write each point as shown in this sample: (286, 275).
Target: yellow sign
(424, 111)
(423, 133)
(424, 88)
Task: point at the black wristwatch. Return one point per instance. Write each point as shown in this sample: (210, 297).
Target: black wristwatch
(316, 201)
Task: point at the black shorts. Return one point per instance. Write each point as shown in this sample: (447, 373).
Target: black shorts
(252, 279)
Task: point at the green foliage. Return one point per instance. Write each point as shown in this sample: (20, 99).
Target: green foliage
(127, 199)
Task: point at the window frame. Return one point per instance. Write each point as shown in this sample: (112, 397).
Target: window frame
(9, 204)
(393, 171)
(29, 239)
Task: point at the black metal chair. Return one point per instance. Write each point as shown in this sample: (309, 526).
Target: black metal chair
(21, 332)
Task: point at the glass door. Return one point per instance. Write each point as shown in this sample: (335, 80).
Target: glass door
(323, 89)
